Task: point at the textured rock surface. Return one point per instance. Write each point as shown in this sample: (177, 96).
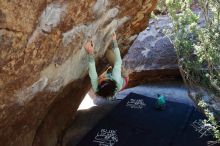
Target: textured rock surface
(43, 69)
(152, 55)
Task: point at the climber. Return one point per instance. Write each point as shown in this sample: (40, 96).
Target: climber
(113, 79)
(160, 103)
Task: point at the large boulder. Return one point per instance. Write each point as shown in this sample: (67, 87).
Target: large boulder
(152, 56)
(43, 67)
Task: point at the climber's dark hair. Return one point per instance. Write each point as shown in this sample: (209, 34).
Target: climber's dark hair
(107, 88)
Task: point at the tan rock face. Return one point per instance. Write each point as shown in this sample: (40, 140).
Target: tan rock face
(43, 67)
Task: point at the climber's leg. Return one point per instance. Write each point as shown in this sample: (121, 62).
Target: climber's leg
(124, 72)
(110, 56)
(111, 59)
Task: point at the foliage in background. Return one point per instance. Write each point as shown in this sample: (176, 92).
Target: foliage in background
(198, 47)
(211, 122)
(161, 6)
(197, 44)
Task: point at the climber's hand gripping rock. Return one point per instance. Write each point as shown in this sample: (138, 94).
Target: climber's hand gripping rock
(89, 47)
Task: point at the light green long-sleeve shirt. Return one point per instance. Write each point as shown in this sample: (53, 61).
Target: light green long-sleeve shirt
(116, 72)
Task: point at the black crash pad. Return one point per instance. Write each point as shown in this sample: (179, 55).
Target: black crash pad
(135, 122)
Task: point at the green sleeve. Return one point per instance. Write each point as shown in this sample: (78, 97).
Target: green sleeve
(92, 72)
(116, 72)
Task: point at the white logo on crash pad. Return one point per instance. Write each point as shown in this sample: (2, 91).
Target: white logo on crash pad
(106, 137)
(136, 103)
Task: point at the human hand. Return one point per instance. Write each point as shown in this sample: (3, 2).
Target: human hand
(114, 36)
(89, 47)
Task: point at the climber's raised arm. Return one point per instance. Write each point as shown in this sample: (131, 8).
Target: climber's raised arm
(92, 69)
(116, 72)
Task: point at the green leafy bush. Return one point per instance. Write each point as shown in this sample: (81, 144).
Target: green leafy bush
(197, 45)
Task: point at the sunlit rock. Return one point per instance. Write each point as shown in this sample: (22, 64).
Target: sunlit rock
(43, 67)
